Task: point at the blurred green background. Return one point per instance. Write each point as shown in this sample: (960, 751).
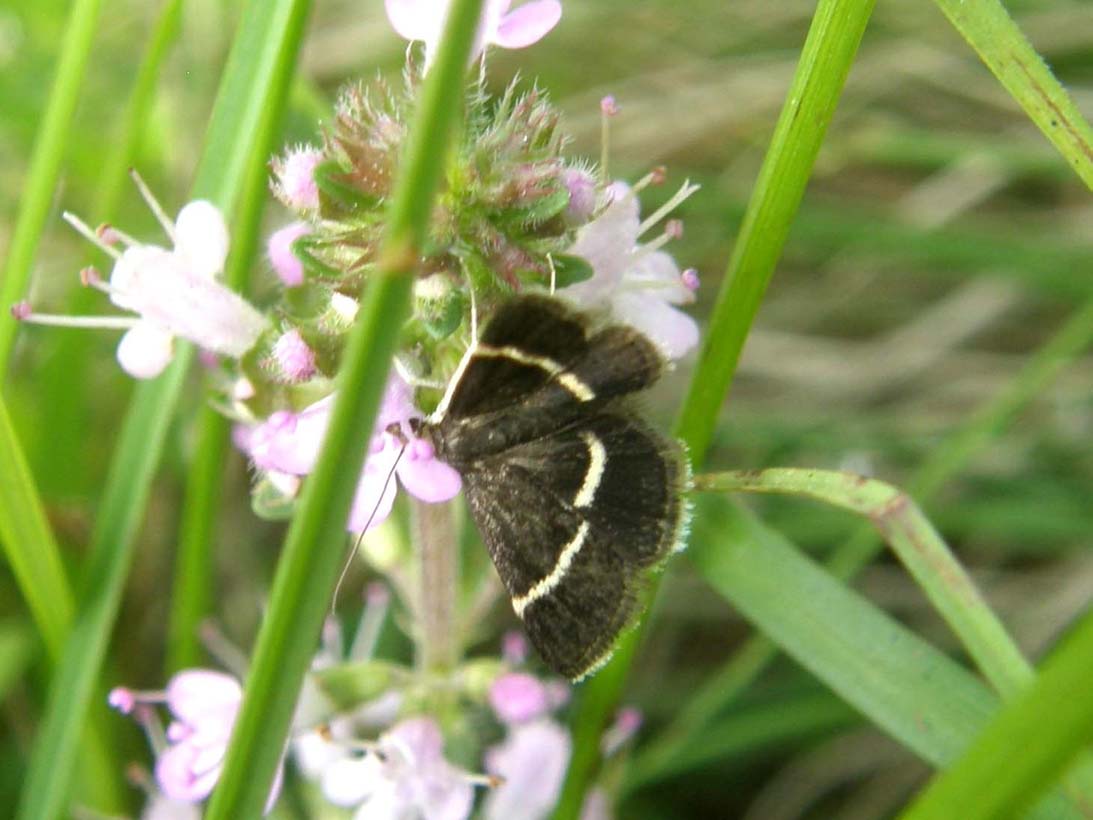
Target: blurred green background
(941, 244)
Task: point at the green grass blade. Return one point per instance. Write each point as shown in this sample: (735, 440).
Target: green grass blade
(144, 430)
(1005, 50)
(905, 686)
(64, 374)
(790, 721)
(917, 545)
(828, 52)
(17, 646)
(45, 164)
(1050, 724)
(29, 544)
(914, 692)
(192, 591)
(268, 33)
(315, 546)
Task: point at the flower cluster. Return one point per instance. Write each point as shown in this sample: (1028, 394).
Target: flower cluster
(515, 214)
(375, 758)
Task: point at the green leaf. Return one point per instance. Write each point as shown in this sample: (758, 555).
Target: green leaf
(29, 544)
(917, 545)
(1050, 724)
(16, 652)
(314, 549)
(569, 270)
(348, 685)
(905, 686)
(791, 721)
(339, 198)
(45, 164)
(269, 33)
(1005, 50)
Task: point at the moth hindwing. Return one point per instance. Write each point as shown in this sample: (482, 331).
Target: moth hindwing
(573, 493)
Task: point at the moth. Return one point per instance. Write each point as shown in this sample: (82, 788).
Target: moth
(575, 495)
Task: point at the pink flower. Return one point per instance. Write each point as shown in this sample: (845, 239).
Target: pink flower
(409, 777)
(294, 178)
(517, 697)
(175, 293)
(424, 20)
(294, 358)
(639, 282)
(628, 721)
(532, 761)
(582, 195)
(161, 807)
(289, 443)
(205, 705)
(288, 268)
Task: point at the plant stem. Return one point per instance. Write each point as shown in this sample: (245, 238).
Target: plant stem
(917, 544)
(437, 583)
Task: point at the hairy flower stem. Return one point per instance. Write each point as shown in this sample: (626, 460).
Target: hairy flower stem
(434, 534)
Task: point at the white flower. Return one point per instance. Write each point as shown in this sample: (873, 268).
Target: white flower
(176, 293)
(531, 761)
(424, 20)
(408, 777)
(640, 283)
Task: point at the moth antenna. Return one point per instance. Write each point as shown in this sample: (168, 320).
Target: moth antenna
(360, 536)
(553, 273)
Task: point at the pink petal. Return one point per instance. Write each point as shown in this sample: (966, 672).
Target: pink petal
(347, 781)
(429, 479)
(417, 19)
(289, 269)
(296, 178)
(532, 760)
(375, 492)
(145, 350)
(178, 779)
(448, 798)
(397, 406)
(527, 24)
(201, 238)
(194, 693)
(673, 331)
(131, 273)
(659, 272)
(607, 244)
(517, 697)
(420, 738)
(161, 807)
(290, 442)
(294, 357)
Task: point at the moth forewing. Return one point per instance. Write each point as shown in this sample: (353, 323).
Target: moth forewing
(573, 493)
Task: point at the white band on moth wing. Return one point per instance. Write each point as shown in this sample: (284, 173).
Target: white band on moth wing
(597, 461)
(547, 585)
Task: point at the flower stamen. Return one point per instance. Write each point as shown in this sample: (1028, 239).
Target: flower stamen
(94, 237)
(23, 312)
(153, 204)
(677, 199)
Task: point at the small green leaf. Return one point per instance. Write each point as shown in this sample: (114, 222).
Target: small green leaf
(270, 503)
(569, 270)
(348, 685)
(338, 196)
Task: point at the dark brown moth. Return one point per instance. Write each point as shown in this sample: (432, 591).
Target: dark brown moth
(575, 495)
